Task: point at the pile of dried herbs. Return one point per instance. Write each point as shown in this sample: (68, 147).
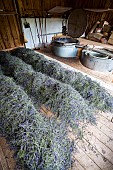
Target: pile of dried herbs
(65, 102)
(40, 143)
(60, 98)
(90, 90)
(12, 65)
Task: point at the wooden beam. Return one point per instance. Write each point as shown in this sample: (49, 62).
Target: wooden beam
(18, 23)
(8, 13)
(3, 33)
(20, 7)
(2, 46)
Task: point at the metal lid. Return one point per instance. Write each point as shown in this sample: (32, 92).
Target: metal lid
(77, 23)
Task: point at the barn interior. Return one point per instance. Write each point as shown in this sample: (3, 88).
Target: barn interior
(56, 85)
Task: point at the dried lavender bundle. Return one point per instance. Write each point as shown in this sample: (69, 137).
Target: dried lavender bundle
(61, 98)
(90, 90)
(11, 64)
(40, 143)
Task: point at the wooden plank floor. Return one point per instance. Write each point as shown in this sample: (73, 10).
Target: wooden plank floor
(93, 152)
(6, 156)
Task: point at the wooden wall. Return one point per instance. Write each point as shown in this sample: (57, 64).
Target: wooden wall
(10, 30)
(39, 6)
(10, 26)
(29, 8)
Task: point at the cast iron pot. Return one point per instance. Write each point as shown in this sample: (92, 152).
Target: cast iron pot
(65, 47)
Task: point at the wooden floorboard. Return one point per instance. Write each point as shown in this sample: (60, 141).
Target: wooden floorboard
(91, 150)
(103, 149)
(105, 130)
(107, 115)
(107, 141)
(76, 165)
(94, 155)
(105, 121)
(4, 165)
(6, 156)
(85, 160)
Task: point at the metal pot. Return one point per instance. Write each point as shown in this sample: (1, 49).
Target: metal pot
(65, 47)
(97, 61)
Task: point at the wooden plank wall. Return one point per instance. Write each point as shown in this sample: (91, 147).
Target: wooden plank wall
(40, 8)
(10, 32)
(45, 5)
(10, 28)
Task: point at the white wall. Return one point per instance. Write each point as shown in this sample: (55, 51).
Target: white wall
(53, 25)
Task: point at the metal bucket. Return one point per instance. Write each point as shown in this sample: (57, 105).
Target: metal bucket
(96, 61)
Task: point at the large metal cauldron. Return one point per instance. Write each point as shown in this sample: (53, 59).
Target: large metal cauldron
(65, 47)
